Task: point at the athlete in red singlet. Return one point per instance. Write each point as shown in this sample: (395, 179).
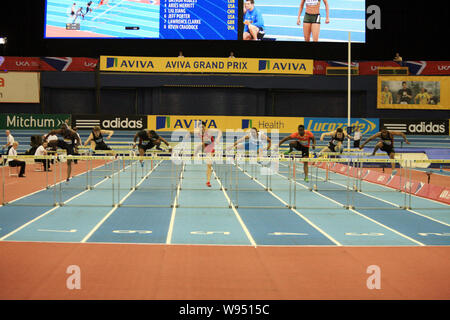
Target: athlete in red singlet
(302, 142)
(207, 147)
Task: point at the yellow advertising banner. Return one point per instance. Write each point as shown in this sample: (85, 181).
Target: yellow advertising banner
(19, 87)
(189, 123)
(207, 65)
(413, 92)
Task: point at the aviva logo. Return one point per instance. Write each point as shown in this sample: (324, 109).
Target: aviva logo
(163, 122)
(264, 65)
(127, 64)
(281, 66)
(247, 123)
(111, 62)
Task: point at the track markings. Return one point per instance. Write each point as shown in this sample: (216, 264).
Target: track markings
(236, 213)
(360, 214)
(295, 211)
(174, 207)
(86, 238)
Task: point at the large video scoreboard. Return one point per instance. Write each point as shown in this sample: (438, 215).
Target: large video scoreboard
(150, 19)
(287, 20)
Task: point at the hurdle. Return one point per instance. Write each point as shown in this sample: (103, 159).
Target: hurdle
(238, 175)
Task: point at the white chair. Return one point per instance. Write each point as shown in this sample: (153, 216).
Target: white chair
(13, 171)
(39, 166)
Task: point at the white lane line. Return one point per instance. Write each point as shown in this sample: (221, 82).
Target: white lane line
(28, 223)
(49, 211)
(174, 208)
(63, 231)
(107, 10)
(51, 185)
(391, 203)
(236, 213)
(97, 226)
(360, 214)
(296, 212)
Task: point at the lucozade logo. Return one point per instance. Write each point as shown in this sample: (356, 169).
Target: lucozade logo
(320, 125)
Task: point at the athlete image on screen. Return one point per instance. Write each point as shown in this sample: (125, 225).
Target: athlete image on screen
(78, 13)
(404, 95)
(102, 2)
(88, 8)
(72, 10)
(422, 97)
(253, 22)
(311, 20)
(386, 96)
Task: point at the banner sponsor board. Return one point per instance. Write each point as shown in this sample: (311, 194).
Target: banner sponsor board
(48, 64)
(32, 121)
(209, 65)
(110, 122)
(20, 63)
(367, 126)
(68, 64)
(19, 87)
(370, 68)
(417, 126)
(367, 68)
(320, 67)
(428, 68)
(413, 92)
(190, 123)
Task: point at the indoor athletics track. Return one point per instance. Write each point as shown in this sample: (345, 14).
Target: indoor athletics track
(173, 238)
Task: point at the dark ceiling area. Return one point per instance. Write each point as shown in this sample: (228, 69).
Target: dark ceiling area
(407, 27)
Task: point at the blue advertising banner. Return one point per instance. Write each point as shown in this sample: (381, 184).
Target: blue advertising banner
(367, 126)
(198, 19)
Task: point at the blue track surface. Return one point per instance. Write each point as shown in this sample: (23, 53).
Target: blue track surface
(205, 215)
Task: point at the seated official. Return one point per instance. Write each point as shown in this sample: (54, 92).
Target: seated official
(41, 151)
(14, 162)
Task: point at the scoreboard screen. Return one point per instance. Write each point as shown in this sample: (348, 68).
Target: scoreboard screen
(142, 19)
